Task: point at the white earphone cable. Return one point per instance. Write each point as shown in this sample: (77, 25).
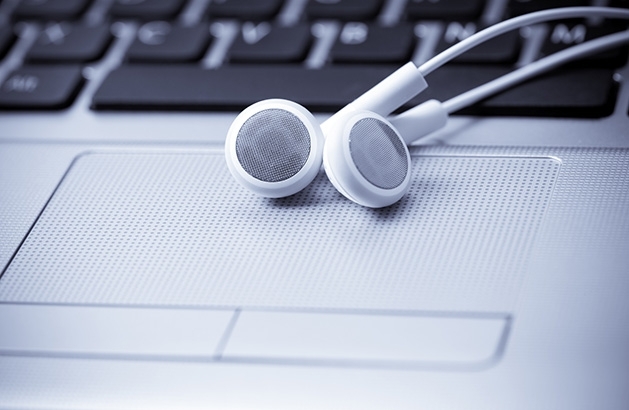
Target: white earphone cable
(432, 115)
(408, 81)
(515, 23)
(535, 68)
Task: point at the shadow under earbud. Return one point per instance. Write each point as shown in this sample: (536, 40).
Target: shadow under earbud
(320, 192)
(321, 196)
(392, 212)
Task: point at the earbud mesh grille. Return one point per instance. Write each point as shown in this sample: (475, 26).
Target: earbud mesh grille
(378, 153)
(273, 145)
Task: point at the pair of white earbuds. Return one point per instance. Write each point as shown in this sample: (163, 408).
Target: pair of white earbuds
(276, 147)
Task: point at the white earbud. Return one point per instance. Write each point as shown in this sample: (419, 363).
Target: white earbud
(367, 158)
(274, 148)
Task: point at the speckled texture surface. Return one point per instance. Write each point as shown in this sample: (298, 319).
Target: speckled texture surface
(176, 230)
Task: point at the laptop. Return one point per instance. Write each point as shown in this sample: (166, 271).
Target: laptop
(137, 273)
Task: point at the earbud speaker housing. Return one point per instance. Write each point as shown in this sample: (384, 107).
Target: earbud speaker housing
(274, 148)
(366, 159)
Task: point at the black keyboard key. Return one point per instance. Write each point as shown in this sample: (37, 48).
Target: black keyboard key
(566, 34)
(363, 43)
(233, 87)
(160, 41)
(6, 39)
(146, 9)
(255, 10)
(518, 7)
(343, 9)
(573, 92)
(579, 92)
(41, 87)
(503, 49)
(265, 43)
(444, 9)
(51, 9)
(65, 42)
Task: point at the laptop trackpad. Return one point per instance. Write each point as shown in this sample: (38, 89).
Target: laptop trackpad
(169, 232)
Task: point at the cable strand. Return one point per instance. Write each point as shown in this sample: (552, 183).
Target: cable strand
(515, 23)
(535, 68)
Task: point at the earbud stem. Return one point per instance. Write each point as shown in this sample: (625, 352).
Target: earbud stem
(386, 96)
(420, 121)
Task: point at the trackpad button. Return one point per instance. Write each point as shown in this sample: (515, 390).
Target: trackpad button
(91, 331)
(366, 338)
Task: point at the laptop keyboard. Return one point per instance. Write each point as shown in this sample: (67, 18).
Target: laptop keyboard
(191, 55)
